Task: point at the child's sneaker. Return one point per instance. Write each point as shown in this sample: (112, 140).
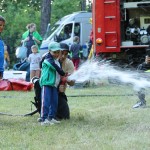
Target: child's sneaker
(54, 121)
(46, 122)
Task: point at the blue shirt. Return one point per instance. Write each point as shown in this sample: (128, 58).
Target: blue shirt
(1, 56)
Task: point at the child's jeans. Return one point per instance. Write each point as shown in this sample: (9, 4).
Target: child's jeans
(49, 102)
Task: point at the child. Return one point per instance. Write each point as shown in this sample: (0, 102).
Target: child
(2, 24)
(75, 52)
(34, 60)
(6, 58)
(50, 78)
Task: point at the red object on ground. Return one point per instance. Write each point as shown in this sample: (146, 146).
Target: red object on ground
(15, 84)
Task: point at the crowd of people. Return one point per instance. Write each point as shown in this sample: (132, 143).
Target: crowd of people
(50, 71)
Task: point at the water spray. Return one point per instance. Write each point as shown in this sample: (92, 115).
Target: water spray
(94, 71)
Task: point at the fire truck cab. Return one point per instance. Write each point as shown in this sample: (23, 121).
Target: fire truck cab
(121, 30)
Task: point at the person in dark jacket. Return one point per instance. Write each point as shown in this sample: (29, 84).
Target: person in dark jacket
(31, 37)
(75, 50)
(49, 81)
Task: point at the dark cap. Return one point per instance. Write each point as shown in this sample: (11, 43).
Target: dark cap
(64, 46)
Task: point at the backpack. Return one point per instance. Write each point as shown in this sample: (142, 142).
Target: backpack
(37, 98)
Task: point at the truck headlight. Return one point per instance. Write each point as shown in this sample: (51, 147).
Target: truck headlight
(99, 41)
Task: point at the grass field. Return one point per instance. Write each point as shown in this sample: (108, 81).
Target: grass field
(104, 122)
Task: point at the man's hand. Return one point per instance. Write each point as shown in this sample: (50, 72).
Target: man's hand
(70, 82)
(62, 88)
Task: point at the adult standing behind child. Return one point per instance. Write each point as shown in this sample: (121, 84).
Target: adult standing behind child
(31, 37)
(50, 78)
(34, 60)
(2, 24)
(75, 50)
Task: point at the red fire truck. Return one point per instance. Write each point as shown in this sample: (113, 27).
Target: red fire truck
(121, 30)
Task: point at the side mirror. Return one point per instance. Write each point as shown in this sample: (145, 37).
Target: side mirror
(55, 38)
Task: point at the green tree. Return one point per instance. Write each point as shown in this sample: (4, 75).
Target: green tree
(64, 7)
(19, 13)
(17, 17)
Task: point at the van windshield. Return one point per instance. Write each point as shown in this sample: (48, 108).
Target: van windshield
(51, 30)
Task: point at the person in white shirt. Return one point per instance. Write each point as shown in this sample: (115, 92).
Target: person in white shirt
(63, 111)
(34, 60)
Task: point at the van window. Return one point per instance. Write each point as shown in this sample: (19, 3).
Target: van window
(65, 32)
(77, 29)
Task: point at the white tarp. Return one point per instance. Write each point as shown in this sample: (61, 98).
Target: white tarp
(11, 74)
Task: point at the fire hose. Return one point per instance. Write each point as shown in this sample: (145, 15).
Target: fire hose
(36, 111)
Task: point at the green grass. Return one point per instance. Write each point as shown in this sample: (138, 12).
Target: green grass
(105, 122)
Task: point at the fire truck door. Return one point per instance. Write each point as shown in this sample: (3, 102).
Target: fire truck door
(109, 23)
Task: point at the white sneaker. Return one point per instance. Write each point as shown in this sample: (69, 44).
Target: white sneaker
(54, 121)
(46, 122)
(139, 105)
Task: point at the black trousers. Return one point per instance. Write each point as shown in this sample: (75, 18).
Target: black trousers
(63, 111)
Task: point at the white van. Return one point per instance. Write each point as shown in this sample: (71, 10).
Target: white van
(75, 24)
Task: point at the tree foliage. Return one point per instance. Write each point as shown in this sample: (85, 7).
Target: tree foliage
(64, 7)
(19, 13)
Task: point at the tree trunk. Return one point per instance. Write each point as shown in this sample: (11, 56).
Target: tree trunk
(83, 5)
(45, 15)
